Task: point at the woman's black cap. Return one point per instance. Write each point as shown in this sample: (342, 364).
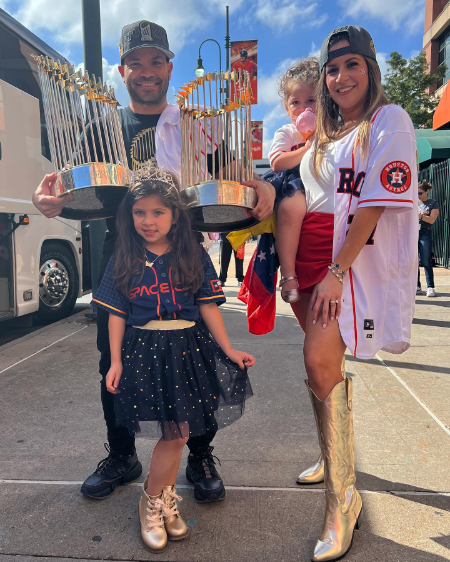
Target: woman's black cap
(361, 43)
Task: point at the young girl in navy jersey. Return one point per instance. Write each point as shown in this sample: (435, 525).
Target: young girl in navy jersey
(165, 366)
(290, 143)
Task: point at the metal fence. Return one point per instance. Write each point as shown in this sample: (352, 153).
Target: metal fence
(439, 177)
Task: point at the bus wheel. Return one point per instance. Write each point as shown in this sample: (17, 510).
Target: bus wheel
(58, 284)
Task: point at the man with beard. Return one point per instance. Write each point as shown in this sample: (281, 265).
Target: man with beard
(151, 132)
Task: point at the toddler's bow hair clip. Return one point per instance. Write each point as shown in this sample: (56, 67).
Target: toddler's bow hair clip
(152, 173)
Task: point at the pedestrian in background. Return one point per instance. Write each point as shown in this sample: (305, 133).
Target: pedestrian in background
(225, 256)
(428, 213)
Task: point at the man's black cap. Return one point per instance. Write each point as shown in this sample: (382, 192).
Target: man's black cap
(143, 34)
(361, 43)
(244, 53)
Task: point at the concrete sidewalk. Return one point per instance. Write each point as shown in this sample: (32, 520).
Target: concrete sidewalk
(52, 435)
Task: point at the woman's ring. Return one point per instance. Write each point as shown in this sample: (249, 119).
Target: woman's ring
(334, 302)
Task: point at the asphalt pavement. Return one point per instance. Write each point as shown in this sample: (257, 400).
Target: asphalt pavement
(53, 432)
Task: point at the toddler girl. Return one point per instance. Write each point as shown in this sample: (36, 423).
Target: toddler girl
(297, 88)
(165, 366)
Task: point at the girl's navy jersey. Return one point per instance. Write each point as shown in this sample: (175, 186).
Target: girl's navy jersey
(156, 297)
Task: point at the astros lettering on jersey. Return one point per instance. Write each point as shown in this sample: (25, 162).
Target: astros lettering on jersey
(379, 288)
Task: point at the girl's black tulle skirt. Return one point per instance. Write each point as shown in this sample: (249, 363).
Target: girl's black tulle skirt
(180, 379)
(285, 182)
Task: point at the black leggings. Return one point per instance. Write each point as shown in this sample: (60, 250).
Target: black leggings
(119, 438)
(225, 256)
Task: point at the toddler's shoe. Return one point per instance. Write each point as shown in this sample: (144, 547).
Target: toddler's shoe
(289, 295)
(175, 525)
(152, 510)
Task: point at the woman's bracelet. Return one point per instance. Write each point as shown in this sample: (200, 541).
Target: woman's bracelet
(336, 267)
(336, 273)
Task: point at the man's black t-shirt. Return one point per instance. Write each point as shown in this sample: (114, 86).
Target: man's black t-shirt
(138, 133)
(139, 137)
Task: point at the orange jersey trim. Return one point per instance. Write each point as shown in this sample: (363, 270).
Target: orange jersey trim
(354, 310)
(157, 294)
(388, 200)
(209, 298)
(111, 307)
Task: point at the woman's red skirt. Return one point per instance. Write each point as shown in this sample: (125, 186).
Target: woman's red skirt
(315, 250)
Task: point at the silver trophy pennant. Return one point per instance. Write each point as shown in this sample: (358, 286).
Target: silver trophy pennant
(85, 138)
(216, 129)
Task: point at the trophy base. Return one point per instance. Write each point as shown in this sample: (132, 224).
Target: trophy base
(97, 190)
(220, 206)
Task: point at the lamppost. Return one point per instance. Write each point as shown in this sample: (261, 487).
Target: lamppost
(199, 70)
(92, 48)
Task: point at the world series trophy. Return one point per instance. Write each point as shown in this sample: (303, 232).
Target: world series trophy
(216, 130)
(85, 138)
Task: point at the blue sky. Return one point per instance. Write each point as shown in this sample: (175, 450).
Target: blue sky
(286, 30)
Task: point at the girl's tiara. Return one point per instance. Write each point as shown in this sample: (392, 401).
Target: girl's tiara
(153, 173)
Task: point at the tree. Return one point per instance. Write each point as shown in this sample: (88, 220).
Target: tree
(406, 83)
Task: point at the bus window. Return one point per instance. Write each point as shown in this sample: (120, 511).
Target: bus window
(19, 69)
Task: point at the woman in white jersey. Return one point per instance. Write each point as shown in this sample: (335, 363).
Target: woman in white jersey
(357, 257)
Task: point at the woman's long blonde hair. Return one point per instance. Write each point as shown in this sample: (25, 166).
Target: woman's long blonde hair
(329, 119)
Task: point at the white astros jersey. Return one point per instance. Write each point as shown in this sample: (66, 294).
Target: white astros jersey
(285, 139)
(380, 287)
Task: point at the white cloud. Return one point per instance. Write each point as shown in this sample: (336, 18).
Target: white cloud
(314, 51)
(268, 85)
(63, 19)
(284, 15)
(381, 60)
(407, 14)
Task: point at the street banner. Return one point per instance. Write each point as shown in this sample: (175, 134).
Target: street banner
(257, 140)
(244, 56)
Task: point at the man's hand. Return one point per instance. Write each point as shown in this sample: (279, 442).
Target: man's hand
(45, 200)
(266, 198)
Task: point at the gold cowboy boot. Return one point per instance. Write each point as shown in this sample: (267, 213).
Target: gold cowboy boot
(151, 515)
(315, 474)
(175, 525)
(334, 422)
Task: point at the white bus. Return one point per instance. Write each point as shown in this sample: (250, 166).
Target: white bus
(41, 260)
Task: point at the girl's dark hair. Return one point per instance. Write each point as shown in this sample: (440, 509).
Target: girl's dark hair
(426, 186)
(185, 252)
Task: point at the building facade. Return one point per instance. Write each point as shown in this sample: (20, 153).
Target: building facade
(436, 38)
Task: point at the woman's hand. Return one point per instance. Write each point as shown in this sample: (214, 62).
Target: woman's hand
(242, 358)
(44, 198)
(113, 377)
(327, 295)
(266, 198)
